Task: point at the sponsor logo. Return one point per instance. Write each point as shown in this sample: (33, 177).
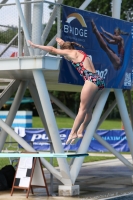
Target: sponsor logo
(81, 30)
(77, 16)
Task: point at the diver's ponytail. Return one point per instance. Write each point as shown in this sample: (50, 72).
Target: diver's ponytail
(76, 44)
(70, 45)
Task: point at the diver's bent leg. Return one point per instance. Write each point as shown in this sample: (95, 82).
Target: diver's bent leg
(88, 116)
(88, 93)
(84, 125)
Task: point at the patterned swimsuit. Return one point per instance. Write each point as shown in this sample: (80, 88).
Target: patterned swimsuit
(87, 75)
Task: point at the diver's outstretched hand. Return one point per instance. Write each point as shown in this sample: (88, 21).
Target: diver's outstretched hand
(32, 44)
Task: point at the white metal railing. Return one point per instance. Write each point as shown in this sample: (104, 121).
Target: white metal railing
(29, 2)
(20, 33)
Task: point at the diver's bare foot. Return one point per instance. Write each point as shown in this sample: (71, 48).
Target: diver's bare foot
(71, 138)
(80, 135)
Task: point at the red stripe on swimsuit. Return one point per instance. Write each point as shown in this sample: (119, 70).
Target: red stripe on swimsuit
(87, 75)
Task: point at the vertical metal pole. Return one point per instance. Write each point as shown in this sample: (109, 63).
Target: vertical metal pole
(116, 11)
(51, 175)
(90, 129)
(13, 111)
(26, 33)
(37, 25)
(125, 118)
(58, 24)
(20, 39)
(27, 15)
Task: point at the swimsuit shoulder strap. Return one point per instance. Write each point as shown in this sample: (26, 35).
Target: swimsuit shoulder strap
(85, 55)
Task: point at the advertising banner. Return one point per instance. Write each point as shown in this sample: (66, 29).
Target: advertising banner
(40, 142)
(108, 41)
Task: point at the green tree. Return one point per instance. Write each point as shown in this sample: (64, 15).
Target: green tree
(7, 36)
(70, 99)
(126, 6)
(101, 7)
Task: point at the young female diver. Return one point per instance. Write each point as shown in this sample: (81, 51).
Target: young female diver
(93, 83)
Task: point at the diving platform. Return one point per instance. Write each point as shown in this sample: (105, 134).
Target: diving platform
(20, 68)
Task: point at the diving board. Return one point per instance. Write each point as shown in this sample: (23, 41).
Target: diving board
(39, 155)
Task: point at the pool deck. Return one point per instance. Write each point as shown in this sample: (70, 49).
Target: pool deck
(97, 180)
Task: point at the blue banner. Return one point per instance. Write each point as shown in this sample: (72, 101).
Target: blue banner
(40, 142)
(108, 41)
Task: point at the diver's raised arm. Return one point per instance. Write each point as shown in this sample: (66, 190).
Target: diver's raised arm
(50, 49)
